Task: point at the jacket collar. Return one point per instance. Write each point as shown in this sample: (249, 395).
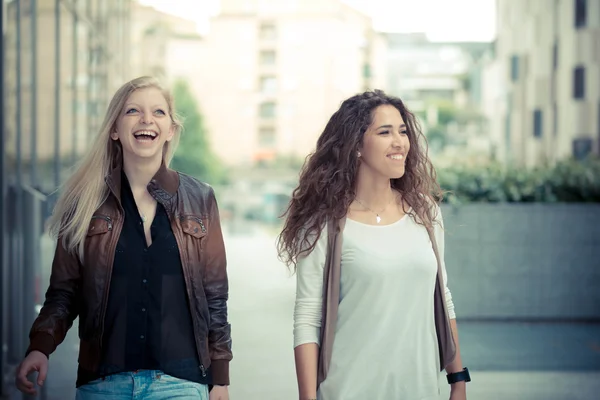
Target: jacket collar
(163, 186)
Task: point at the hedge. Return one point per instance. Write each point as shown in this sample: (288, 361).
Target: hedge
(567, 181)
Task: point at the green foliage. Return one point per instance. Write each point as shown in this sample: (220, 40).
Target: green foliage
(447, 111)
(437, 138)
(287, 162)
(567, 181)
(194, 155)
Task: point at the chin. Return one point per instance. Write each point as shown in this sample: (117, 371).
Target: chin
(142, 153)
(397, 175)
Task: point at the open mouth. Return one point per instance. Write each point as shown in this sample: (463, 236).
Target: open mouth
(145, 135)
(396, 157)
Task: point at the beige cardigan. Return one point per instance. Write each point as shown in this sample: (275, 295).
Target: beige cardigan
(331, 295)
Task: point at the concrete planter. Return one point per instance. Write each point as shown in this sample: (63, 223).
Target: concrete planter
(524, 261)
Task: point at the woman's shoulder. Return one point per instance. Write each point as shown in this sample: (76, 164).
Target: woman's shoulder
(428, 207)
(194, 186)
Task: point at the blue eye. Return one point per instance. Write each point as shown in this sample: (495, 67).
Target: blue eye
(160, 112)
(130, 110)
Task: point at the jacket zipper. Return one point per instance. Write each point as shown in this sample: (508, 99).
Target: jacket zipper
(202, 225)
(198, 220)
(106, 218)
(203, 370)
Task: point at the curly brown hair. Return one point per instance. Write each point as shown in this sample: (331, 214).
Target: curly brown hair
(328, 178)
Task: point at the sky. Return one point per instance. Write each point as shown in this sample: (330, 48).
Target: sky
(441, 20)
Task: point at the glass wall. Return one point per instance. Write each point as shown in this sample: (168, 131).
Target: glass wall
(61, 61)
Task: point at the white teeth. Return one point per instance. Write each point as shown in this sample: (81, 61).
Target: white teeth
(397, 157)
(145, 133)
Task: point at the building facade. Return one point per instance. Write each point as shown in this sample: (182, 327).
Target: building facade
(274, 72)
(156, 41)
(551, 69)
(442, 83)
(63, 60)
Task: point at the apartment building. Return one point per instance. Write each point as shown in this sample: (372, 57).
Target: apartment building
(163, 45)
(274, 72)
(420, 69)
(550, 56)
(62, 62)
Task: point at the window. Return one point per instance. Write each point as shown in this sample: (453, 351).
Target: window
(537, 123)
(268, 110)
(267, 31)
(581, 148)
(580, 13)
(555, 119)
(266, 137)
(507, 126)
(579, 82)
(599, 128)
(514, 68)
(268, 84)
(267, 57)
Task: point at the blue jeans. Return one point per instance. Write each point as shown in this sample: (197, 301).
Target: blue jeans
(144, 384)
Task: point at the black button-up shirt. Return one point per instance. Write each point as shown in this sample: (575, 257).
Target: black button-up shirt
(148, 324)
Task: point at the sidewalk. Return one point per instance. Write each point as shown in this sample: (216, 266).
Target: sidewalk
(508, 361)
(530, 385)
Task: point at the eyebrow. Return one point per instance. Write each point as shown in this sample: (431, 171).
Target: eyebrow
(391, 127)
(137, 105)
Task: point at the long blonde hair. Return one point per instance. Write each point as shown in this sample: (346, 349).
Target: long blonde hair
(86, 190)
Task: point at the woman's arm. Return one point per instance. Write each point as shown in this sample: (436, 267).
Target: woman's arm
(307, 317)
(61, 304)
(456, 365)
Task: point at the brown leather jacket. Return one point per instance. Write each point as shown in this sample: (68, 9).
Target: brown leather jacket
(81, 289)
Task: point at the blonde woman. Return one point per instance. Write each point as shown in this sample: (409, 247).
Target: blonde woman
(140, 260)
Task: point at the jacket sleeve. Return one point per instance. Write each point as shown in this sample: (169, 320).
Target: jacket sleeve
(61, 304)
(216, 288)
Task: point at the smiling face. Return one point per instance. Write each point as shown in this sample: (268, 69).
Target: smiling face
(385, 143)
(144, 125)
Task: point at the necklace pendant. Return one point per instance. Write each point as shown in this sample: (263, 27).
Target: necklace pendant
(378, 218)
(143, 218)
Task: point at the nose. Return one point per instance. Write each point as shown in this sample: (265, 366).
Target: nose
(145, 119)
(398, 139)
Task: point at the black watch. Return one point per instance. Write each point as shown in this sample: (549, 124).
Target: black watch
(459, 376)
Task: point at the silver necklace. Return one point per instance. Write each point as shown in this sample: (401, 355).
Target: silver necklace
(144, 218)
(377, 217)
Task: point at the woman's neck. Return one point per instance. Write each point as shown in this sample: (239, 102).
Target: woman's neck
(374, 192)
(139, 174)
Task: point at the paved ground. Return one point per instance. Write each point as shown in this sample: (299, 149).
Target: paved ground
(508, 361)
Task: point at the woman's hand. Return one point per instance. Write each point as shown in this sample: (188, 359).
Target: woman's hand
(219, 393)
(35, 361)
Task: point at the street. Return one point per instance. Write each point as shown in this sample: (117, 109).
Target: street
(509, 361)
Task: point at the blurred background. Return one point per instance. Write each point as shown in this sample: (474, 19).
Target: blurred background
(508, 96)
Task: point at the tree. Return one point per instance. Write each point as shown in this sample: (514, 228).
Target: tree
(437, 138)
(194, 155)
